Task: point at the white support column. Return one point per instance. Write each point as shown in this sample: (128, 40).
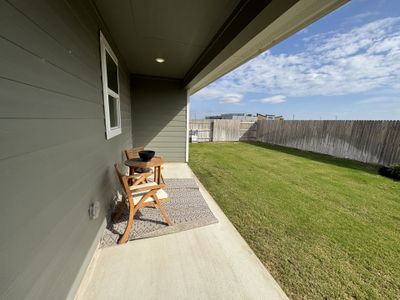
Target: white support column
(187, 125)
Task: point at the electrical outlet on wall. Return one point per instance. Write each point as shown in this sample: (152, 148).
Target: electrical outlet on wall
(94, 210)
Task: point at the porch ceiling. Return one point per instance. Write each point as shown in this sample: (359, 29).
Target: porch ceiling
(201, 40)
(178, 31)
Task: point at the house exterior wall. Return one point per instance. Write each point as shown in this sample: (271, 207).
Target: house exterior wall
(160, 106)
(54, 157)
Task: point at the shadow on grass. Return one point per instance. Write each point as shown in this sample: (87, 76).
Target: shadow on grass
(324, 158)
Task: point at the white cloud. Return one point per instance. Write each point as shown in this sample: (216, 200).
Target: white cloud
(274, 99)
(362, 59)
(231, 99)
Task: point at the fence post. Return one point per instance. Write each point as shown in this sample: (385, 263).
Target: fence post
(212, 131)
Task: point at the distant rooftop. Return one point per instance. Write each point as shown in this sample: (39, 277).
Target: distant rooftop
(244, 116)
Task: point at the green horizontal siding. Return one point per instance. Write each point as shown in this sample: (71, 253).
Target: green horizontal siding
(54, 158)
(159, 116)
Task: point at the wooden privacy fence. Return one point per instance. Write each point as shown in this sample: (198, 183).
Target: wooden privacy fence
(367, 141)
(224, 130)
(204, 129)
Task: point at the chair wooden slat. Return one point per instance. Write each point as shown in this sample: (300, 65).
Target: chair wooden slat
(134, 152)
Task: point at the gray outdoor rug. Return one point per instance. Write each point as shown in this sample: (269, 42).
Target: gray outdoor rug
(187, 209)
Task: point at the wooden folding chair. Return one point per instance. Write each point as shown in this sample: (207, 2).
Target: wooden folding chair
(134, 152)
(140, 194)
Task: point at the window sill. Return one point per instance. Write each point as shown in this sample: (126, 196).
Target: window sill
(113, 132)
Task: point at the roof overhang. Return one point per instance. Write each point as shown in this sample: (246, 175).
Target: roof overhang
(202, 39)
(275, 23)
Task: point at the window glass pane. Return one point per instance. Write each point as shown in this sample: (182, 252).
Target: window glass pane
(113, 108)
(112, 73)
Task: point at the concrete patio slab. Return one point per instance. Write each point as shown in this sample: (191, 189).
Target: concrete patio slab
(212, 262)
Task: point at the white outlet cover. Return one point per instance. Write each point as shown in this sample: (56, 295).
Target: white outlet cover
(94, 210)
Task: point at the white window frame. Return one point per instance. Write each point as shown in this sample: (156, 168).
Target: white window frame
(105, 47)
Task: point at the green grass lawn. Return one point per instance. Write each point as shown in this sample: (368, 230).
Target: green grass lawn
(325, 228)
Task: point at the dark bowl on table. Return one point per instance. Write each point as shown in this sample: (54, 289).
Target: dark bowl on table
(146, 155)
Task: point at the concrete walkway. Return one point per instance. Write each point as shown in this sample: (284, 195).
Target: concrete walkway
(212, 262)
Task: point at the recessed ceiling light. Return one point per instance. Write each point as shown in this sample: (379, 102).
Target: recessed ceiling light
(160, 60)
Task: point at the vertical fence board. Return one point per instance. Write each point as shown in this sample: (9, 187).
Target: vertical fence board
(204, 129)
(367, 141)
(248, 131)
(226, 130)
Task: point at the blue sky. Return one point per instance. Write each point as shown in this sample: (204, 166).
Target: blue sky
(344, 66)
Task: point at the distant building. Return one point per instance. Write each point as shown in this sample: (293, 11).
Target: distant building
(244, 117)
(234, 116)
(213, 117)
(260, 117)
(268, 117)
(237, 116)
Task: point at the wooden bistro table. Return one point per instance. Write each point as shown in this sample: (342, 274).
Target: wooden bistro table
(156, 162)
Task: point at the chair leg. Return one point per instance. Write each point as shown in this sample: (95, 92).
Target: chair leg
(155, 175)
(162, 179)
(131, 170)
(128, 228)
(163, 211)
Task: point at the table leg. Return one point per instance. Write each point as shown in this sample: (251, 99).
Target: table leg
(155, 175)
(159, 175)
